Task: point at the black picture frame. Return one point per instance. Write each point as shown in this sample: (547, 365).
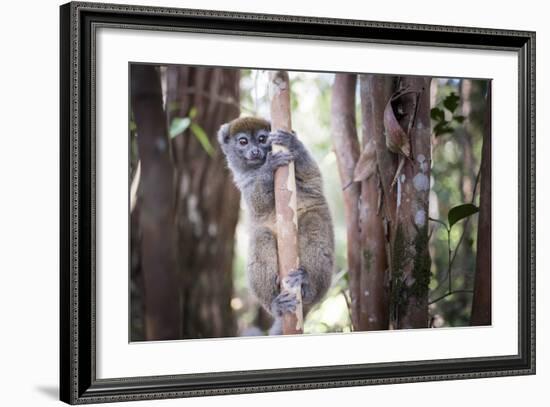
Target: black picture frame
(78, 382)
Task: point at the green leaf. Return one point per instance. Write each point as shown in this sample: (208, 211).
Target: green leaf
(442, 128)
(437, 114)
(451, 102)
(460, 212)
(202, 138)
(133, 126)
(178, 126)
(193, 113)
(459, 118)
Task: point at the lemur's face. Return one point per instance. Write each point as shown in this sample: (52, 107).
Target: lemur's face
(252, 146)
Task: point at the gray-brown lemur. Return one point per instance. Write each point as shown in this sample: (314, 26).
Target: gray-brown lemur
(246, 143)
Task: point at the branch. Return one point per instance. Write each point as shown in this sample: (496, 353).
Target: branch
(221, 99)
(450, 293)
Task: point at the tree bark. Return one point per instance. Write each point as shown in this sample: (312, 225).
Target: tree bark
(481, 303)
(346, 148)
(374, 274)
(207, 204)
(285, 200)
(158, 243)
(410, 255)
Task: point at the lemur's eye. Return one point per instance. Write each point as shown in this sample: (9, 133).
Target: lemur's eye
(262, 139)
(243, 141)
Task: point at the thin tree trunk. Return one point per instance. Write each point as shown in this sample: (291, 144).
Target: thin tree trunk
(285, 200)
(374, 274)
(207, 200)
(376, 91)
(157, 222)
(346, 148)
(481, 303)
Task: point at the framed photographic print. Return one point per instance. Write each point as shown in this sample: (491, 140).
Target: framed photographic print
(257, 203)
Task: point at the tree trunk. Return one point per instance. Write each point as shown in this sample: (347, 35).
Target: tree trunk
(207, 200)
(374, 275)
(481, 303)
(403, 180)
(137, 285)
(156, 215)
(410, 255)
(285, 200)
(346, 148)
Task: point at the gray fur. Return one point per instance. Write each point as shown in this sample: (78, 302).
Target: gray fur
(254, 178)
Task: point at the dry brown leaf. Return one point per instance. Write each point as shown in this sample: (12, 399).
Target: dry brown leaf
(366, 165)
(397, 139)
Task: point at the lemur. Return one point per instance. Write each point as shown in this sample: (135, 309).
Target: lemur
(246, 143)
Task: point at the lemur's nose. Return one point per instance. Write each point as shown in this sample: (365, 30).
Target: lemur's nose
(255, 153)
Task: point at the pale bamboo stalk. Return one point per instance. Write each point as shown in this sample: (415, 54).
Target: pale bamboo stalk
(285, 201)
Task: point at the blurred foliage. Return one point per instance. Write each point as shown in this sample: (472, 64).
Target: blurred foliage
(456, 157)
(180, 124)
(440, 115)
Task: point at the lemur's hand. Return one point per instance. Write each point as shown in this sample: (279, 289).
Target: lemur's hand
(284, 138)
(278, 159)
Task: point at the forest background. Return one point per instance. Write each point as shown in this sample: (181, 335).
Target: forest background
(195, 228)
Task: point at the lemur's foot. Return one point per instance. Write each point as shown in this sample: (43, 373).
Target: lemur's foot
(286, 302)
(296, 277)
(300, 278)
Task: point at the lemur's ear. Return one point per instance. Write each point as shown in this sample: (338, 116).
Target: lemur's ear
(223, 133)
